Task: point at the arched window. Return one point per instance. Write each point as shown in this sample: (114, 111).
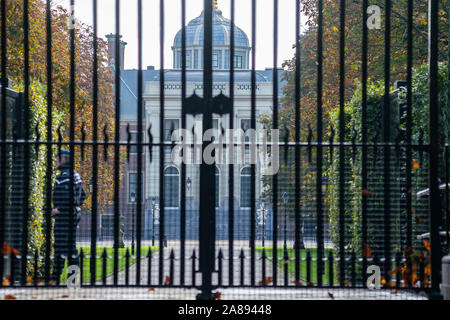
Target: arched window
(171, 187)
(217, 187)
(246, 178)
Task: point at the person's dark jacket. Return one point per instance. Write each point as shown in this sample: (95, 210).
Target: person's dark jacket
(61, 191)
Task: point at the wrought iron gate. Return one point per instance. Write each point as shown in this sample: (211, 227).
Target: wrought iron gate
(311, 255)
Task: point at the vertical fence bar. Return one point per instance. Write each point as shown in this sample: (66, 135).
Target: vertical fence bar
(140, 106)
(409, 126)
(49, 155)
(364, 156)
(3, 135)
(207, 172)
(253, 126)
(330, 269)
(275, 127)
(26, 149)
(319, 143)
(447, 192)
(386, 140)
(104, 262)
(242, 261)
(117, 146)
(342, 161)
(149, 267)
(434, 199)
(161, 139)
(297, 140)
(93, 260)
(72, 230)
(183, 126)
(193, 258)
(231, 166)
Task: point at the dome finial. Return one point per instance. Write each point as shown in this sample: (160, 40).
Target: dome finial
(215, 4)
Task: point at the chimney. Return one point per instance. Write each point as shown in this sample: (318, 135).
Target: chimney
(112, 49)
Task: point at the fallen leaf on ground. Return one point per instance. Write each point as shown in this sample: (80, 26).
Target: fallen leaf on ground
(217, 295)
(396, 291)
(265, 281)
(331, 295)
(167, 281)
(151, 290)
(10, 297)
(298, 283)
(65, 296)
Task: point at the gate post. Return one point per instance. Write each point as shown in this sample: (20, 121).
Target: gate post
(434, 148)
(207, 172)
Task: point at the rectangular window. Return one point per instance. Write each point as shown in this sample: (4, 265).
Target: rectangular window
(170, 125)
(196, 59)
(245, 126)
(215, 60)
(238, 62)
(134, 139)
(132, 186)
(188, 60)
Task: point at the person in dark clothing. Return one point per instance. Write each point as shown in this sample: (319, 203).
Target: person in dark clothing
(64, 247)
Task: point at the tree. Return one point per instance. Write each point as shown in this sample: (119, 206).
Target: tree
(83, 128)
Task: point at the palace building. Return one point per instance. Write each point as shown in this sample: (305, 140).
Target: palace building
(172, 121)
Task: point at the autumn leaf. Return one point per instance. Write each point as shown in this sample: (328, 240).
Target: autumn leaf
(418, 219)
(151, 290)
(331, 295)
(29, 280)
(427, 245)
(367, 252)
(366, 192)
(396, 291)
(298, 283)
(267, 280)
(5, 282)
(427, 270)
(395, 271)
(65, 296)
(167, 281)
(416, 165)
(217, 295)
(8, 250)
(10, 297)
(346, 283)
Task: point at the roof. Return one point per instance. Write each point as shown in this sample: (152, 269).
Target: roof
(221, 32)
(128, 84)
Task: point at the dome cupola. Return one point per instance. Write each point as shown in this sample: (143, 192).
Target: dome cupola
(221, 44)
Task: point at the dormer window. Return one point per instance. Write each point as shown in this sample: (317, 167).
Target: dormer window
(215, 60)
(238, 62)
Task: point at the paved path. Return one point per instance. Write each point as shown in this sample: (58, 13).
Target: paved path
(190, 294)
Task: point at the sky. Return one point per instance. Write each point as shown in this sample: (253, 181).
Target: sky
(151, 26)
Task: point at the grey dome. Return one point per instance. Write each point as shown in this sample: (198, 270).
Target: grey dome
(221, 32)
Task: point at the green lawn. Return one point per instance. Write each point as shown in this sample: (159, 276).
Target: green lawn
(109, 261)
(291, 264)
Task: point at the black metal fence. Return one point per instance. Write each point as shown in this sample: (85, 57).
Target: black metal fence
(297, 248)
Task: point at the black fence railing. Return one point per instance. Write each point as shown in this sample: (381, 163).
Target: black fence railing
(344, 199)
